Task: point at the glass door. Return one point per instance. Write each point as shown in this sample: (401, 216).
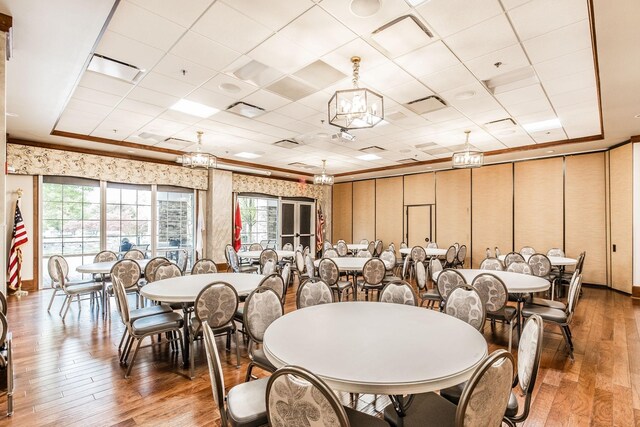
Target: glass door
(298, 223)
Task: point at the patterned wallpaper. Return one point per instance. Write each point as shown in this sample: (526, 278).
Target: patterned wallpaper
(27, 160)
(277, 187)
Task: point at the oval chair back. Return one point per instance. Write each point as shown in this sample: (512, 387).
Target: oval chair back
(519, 267)
(373, 271)
(527, 250)
(216, 304)
(461, 255)
(128, 272)
(328, 271)
(133, 254)
(465, 303)
(432, 245)
(389, 259)
(54, 274)
(299, 258)
(448, 280)
(421, 276)
(216, 375)
(330, 253)
(378, 248)
(418, 254)
(341, 248)
(312, 292)
(311, 268)
(540, 265)
(450, 256)
(268, 255)
(255, 247)
(491, 264)
(275, 283)
(371, 247)
(150, 268)
(105, 256)
(399, 293)
(497, 251)
(434, 266)
(555, 252)
(183, 260)
(261, 308)
(512, 257)
(268, 268)
(492, 290)
(204, 266)
(167, 271)
(287, 247)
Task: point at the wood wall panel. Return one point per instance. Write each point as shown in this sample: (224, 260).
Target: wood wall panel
(364, 210)
(538, 197)
(453, 208)
(621, 214)
(585, 218)
(342, 213)
(420, 189)
(492, 210)
(389, 209)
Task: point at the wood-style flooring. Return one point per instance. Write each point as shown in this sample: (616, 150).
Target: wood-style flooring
(67, 374)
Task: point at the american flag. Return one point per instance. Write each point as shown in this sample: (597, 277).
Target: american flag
(15, 254)
(319, 229)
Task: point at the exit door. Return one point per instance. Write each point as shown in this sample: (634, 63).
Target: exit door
(419, 224)
(298, 223)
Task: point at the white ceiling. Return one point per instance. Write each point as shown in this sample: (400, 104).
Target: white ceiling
(212, 39)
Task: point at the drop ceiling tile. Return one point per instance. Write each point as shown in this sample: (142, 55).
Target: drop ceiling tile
(129, 51)
(384, 76)
(147, 27)
(509, 59)
(297, 111)
(320, 74)
(163, 127)
(389, 10)
(559, 42)
(123, 118)
(318, 101)
(405, 34)
(478, 102)
(203, 51)
(569, 83)
(71, 122)
(449, 78)
(510, 4)
(183, 70)
(140, 107)
(542, 16)
(524, 108)
(524, 94)
(317, 31)
(231, 28)
(517, 141)
(182, 13)
(152, 97)
(104, 83)
(96, 96)
(446, 16)
(565, 65)
(488, 36)
(443, 115)
(267, 100)
(177, 116)
(161, 83)
(223, 84)
(211, 99)
(540, 116)
(549, 135)
(428, 60)
(107, 131)
(274, 14)
(282, 54)
(579, 96)
(291, 88)
(275, 118)
(82, 105)
(406, 92)
(489, 116)
(341, 57)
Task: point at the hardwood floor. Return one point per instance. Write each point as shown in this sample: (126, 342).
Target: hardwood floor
(68, 374)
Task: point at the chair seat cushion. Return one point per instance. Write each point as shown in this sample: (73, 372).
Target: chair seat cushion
(365, 285)
(239, 313)
(246, 403)
(342, 284)
(360, 419)
(149, 311)
(507, 313)
(548, 303)
(194, 327)
(157, 323)
(390, 278)
(83, 288)
(547, 313)
(431, 295)
(259, 358)
(426, 406)
(248, 269)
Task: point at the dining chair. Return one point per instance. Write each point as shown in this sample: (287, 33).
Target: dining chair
(269, 267)
(497, 252)
(138, 329)
(406, 268)
(310, 267)
(434, 266)
(262, 307)
(274, 282)
(183, 260)
(255, 247)
(555, 252)
(6, 362)
(204, 266)
(431, 296)
(285, 273)
(244, 405)
(389, 259)
(330, 273)
(299, 269)
(363, 254)
(306, 251)
(268, 255)
(457, 246)
(296, 397)
(312, 292)
(558, 317)
(417, 254)
(326, 246)
(216, 304)
(128, 271)
(527, 250)
(451, 257)
(540, 265)
(77, 290)
(483, 401)
(373, 273)
(432, 245)
(403, 245)
(519, 267)
(133, 254)
(378, 249)
(552, 303)
(234, 262)
(512, 257)
(342, 248)
(287, 247)
(3, 304)
(330, 253)
(167, 271)
(364, 242)
(55, 280)
(465, 303)
(104, 256)
(371, 247)
(461, 256)
(399, 292)
(152, 265)
(448, 280)
(495, 296)
(491, 264)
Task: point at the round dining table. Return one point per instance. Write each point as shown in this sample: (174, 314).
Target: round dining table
(185, 290)
(103, 268)
(355, 247)
(557, 261)
(256, 254)
(347, 264)
(392, 349)
(516, 283)
(431, 252)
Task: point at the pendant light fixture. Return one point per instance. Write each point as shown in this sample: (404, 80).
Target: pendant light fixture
(467, 158)
(323, 178)
(197, 159)
(356, 108)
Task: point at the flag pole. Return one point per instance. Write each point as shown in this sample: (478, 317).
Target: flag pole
(19, 293)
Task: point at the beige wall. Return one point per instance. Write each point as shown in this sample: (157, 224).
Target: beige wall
(364, 210)
(453, 208)
(621, 213)
(342, 213)
(389, 210)
(25, 182)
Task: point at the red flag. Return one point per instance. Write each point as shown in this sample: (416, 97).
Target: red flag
(15, 254)
(237, 240)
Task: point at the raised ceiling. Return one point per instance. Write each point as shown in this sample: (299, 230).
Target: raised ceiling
(197, 51)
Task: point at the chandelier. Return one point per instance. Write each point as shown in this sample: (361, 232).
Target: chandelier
(355, 108)
(323, 178)
(467, 158)
(197, 159)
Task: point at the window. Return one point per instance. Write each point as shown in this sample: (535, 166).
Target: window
(70, 221)
(175, 222)
(128, 217)
(259, 220)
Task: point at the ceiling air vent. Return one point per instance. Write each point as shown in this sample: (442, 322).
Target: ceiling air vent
(246, 110)
(511, 80)
(372, 150)
(114, 68)
(426, 105)
(302, 165)
(500, 124)
(402, 35)
(408, 160)
(175, 143)
(287, 143)
(426, 145)
(154, 137)
(396, 115)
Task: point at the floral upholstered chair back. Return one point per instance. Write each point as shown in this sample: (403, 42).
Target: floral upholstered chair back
(485, 397)
(105, 256)
(527, 251)
(492, 290)
(313, 292)
(216, 304)
(152, 265)
(448, 280)
(520, 267)
(512, 257)
(418, 254)
(374, 271)
(204, 266)
(342, 248)
(540, 265)
(274, 282)
(268, 255)
(491, 264)
(167, 271)
(328, 271)
(261, 308)
(296, 397)
(389, 259)
(127, 271)
(134, 254)
(53, 271)
(465, 303)
(399, 293)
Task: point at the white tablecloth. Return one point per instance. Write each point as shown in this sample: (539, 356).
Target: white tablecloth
(187, 288)
(555, 260)
(347, 263)
(256, 254)
(515, 282)
(430, 251)
(105, 267)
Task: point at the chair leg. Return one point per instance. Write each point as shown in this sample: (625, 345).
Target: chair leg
(124, 335)
(510, 335)
(192, 357)
(133, 359)
(247, 377)
(69, 301)
(64, 303)
(127, 349)
(235, 334)
(55, 291)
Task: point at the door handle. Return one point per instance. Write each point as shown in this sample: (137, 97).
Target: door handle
(297, 234)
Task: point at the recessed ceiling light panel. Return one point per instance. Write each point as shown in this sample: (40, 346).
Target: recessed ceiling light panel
(248, 155)
(246, 110)
(194, 108)
(114, 68)
(512, 80)
(369, 157)
(402, 35)
(426, 105)
(229, 87)
(543, 125)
